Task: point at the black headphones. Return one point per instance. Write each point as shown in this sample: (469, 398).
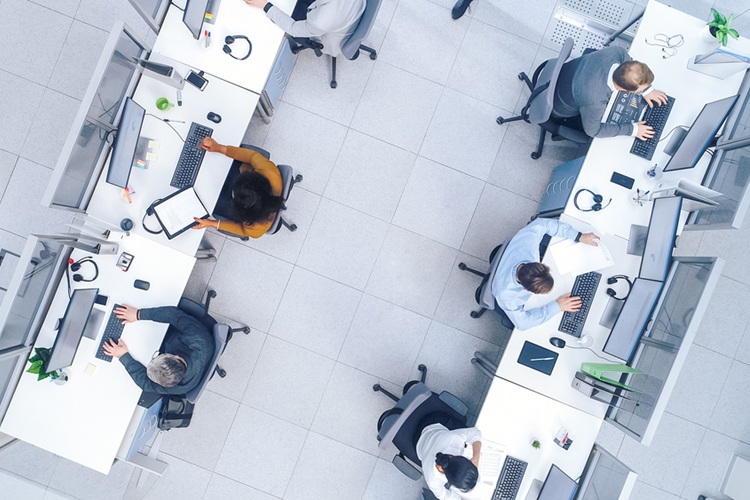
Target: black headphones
(76, 266)
(149, 213)
(229, 40)
(597, 201)
(614, 279)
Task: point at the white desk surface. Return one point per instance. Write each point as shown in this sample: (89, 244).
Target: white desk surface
(85, 419)
(513, 416)
(234, 104)
(234, 18)
(691, 90)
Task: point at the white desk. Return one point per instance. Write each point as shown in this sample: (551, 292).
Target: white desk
(513, 416)
(233, 18)
(85, 419)
(234, 104)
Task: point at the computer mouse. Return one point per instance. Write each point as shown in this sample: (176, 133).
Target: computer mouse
(214, 117)
(141, 284)
(557, 342)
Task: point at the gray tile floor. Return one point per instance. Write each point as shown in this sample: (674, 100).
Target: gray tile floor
(406, 174)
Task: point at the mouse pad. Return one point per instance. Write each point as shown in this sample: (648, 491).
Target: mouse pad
(537, 357)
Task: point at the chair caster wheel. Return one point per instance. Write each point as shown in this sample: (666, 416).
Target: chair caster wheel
(500, 120)
(293, 227)
(376, 387)
(535, 155)
(211, 294)
(462, 266)
(298, 178)
(520, 76)
(334, 84)
(474, 314)
(373, 56)
(421, 368)
(246, 330)
(221, 372)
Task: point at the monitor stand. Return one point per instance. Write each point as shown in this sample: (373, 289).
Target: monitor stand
(534, 489)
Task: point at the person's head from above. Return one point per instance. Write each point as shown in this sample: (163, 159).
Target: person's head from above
(459, 471)
(166, 370)
(632, 76)
(535, 277)
(253, 199)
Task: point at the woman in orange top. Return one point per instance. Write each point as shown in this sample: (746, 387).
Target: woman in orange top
(255, 193)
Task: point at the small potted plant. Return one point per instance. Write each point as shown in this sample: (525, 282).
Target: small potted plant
(536, 444)
(719, 28)
(38, 360)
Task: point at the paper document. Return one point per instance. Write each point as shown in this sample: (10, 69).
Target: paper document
(491, 461)
(579, 258)
(176, 212)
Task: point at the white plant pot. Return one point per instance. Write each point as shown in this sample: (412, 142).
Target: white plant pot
(707, 36)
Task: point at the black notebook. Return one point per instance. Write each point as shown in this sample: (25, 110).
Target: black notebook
(537, 357)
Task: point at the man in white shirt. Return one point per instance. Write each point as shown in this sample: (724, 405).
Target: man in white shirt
(449, 459)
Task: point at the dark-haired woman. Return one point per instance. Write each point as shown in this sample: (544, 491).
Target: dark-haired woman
(255, 193)
(449, 459)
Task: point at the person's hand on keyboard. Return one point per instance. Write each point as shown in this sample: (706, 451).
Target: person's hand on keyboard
(655, 97)
(568, 303)
(645, 132)
(115, 349)
(212, 146)
(127, 314)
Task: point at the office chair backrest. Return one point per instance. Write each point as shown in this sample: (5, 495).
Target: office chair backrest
(540, 104)
(287, 181)
(485, 297)
(221, 337)
(350, 47)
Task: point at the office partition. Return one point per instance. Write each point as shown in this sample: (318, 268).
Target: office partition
(605, 477)
(662, 350)
(89, 141)
(152, 11)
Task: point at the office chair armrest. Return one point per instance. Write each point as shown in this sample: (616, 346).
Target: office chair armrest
(257, 150)
(573, 135)
(406, 468)
(455, 403)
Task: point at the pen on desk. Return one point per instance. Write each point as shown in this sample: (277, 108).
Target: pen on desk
(205, 38)
(179, 97)
(542, 359)
(209, 39)
(644, 194)
(126, 192)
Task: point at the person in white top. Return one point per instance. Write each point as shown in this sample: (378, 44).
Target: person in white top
(449, 460)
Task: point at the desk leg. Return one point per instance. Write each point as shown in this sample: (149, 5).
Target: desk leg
(149, 463)
(265, 108)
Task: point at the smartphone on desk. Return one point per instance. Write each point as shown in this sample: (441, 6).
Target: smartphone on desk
(197, 80)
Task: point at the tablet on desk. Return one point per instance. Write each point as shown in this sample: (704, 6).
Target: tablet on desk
(175, 213)
(537, 357)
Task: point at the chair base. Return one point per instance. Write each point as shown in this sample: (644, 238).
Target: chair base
(373, 55)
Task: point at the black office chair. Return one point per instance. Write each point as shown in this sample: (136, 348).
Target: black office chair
(419, 407)
(483, 294)
(223, 207)
(542, 107)
(351, 47)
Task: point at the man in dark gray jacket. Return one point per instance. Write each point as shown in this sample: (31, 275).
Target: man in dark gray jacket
(596, 76)
(188, 348)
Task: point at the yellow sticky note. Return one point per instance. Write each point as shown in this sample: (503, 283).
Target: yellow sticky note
(151, 156)
(90, 369)
(153, 144)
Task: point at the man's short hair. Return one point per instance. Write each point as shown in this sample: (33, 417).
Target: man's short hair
(632, 74)
(535, 277)
(166, 370)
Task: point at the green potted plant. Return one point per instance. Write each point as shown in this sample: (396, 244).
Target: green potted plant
(38, 360)
(536, 444)
(719, 27)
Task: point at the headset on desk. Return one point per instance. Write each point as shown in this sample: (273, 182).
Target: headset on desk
(230, 39)
(597, 201)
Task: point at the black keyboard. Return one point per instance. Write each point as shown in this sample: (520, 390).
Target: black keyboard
(510, 479)
(585, 288)
(191, 157)
(112, 331)
(655, 117)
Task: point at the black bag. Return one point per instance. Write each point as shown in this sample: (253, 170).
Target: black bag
(176, 411)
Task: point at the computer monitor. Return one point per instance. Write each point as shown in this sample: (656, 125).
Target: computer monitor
(558, 486)
(71, 328)
(701, 133)
(195, 12)
(126, 141)
(633, 318)
(662, 231)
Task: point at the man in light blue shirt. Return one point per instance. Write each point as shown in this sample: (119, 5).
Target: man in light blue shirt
(520, 274)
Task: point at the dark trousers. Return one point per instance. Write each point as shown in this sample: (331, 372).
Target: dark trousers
(300, 9)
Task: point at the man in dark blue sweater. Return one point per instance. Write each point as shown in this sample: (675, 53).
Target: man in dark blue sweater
(187, 350)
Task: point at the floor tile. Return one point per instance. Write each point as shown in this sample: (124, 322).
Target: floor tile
(7, 164)
(349, 409)
(50, 128)
(20, 209)
(307, 142)
(438, 202)
(67, 7)
(491, 75)
(458, 301)
(498, 217)
(517, 21)
(353, 469)
(288, 382)
(18, 487)
(221, 488)
(610, 438)
(81, 482)
(665, 464)
(447, 353)
(342, 244)
(411, 271)
(201, 443)
(384, 340)
(309, 86)
(711, 464)
(32, 42)
(370, 175)
(414, 44)
(28, 461)
(21, 98)
(731, 245)
(396, 107)
(461, 134)
(239, 360)
(51, 494)
(315, 313)
(104, 14)
(181, 480)
(197, 284)
(252, 295)
(726, 318)
(733, 407)
(79, 56)
(382, 23)
(261, 451)
(643, 491)
(388, 483)
(743, 350)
